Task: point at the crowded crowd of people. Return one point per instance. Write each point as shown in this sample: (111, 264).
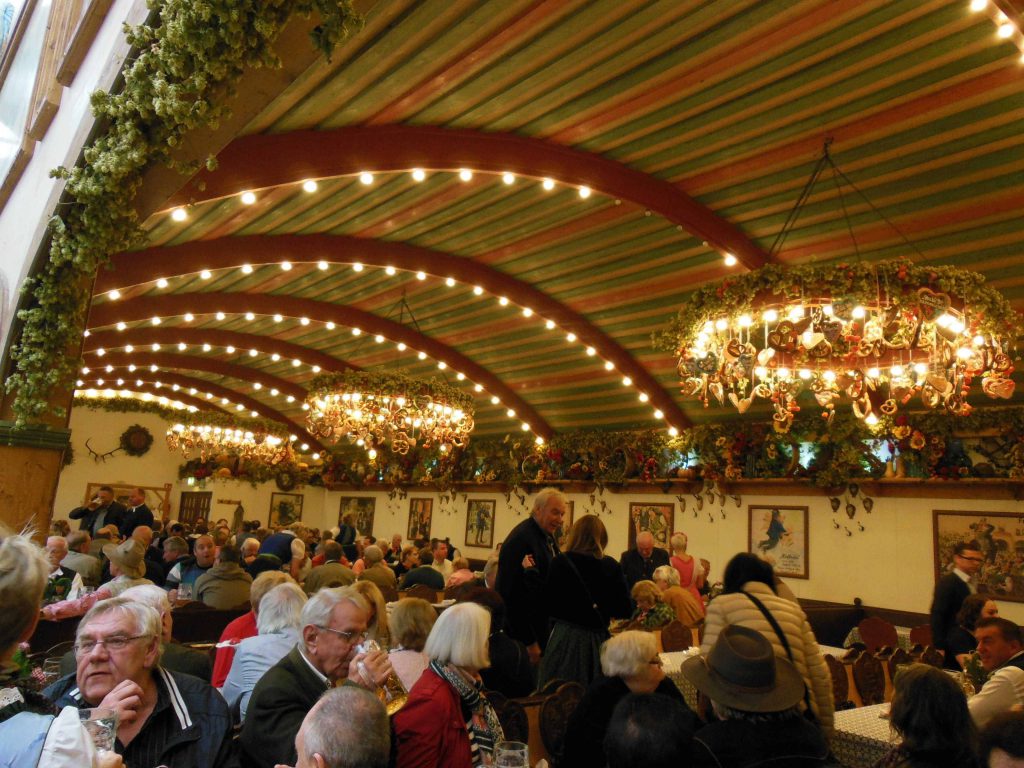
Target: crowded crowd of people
(307, 674)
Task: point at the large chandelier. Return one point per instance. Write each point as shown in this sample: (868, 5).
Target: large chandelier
(374, 409)
(874, 335)
(254, 442)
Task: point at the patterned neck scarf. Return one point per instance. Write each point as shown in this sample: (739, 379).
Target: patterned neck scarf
(481, 719)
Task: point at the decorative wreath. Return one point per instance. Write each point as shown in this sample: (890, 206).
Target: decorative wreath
(285, 480)
(136, 440)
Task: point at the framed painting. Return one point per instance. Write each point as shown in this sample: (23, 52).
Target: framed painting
(562, 534)
(420, 512)
(779, 535)
(1000, 539)
(361, 508)
(285, 508)
(656, 518)
(480, 523)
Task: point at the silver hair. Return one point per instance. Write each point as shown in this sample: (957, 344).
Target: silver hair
(24, 571)
(372, 555)
(348, 728)
(460, 636)
(175, 544)
(317, 610)
(626, 654)
(280, 608)
(144, 618)
(150, 594)
(667, 573)
(545, 495)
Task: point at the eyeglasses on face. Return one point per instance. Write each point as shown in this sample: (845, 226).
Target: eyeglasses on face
(112, 644)
(349, 636)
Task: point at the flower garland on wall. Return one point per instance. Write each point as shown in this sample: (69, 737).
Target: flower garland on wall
(185, 65)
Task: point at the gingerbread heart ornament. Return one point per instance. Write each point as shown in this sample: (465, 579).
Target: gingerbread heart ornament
(932, 303)
(784, 337)
(998, 387)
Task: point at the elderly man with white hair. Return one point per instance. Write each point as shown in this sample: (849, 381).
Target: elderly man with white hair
(639, 563)
(165, 718)
(523, 570)
(347, 728)
(334, 624)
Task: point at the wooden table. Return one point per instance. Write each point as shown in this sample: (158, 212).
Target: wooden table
(862, 737)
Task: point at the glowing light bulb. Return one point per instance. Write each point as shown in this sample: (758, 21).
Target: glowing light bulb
(114, 295)
(390, 271)
(896, 370)
(964, 353)
(873, 373)
(871, 420)
(920, 369)
(829, 376)
(760, 371)
(422, 355)
(721, 324)
(550, 325)
(379, 339)
(503, 301)
(571, 337)
(548, 184)
(477, 290)
(1005, 30)
(770, 316)
(366, 178)
(584, 192)
(329, 325)
(465, 174)
(626, 381)
(304, 320)
(673, 431)
(248, 198)
(591, 351)
(744, 321)
(659, 415)
(278, 318)
(220, 315)
(275, 357)
(156, 321)
(286, 266)
(804, 374)
(179, 214)
(527, 312)
(129, 348)
(859, 313)
(250, 316)
(609, 365)
(253, 353)
(309, 185)
(401, 346)
(322, 265)
(182, 346)
(644, 397)
(207, 347)
(795, 314)
(247, 269)
(784, 374)
(418, 174)
(122, 326)
(205, 274)
(508, 178)
(421, 275)
(478, 388)
(357, 267)
(978, 5)
(730, 260)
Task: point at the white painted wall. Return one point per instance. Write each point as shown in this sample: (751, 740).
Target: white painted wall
(887, 565)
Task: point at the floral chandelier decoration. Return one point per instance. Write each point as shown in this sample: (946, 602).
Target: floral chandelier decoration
(875, 335)
(377, 409)
(206, 435)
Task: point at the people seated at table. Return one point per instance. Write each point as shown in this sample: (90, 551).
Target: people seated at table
(393, 551)
(439, 559)
(80, 561)
(961, 642)
(108, 534)
(1002, 741)
(126, 566)
(285, 550)
(630, 664)
(1001, 652)
(175, 552)
(245, 625)
(334, 623)
(638, 564)
(755, 696)
(510, 672)
(278, 633)
(250, 549)
(410, 622)
(447, 721)
(154, 567)
(649, 730)
(461, 574)
(689, 568)
(377, 628)
(747, 586)
(32, 732)
(376, 570)
(929, 714)
(226, 585)
(424, 574)
(165, 718)
(688, 610)
(651, 611)
(63, 583)
(584, 591)
(187, 571)
(332, 573)
(347, 728)
(405, 562)
(953, 588)
(173, 655)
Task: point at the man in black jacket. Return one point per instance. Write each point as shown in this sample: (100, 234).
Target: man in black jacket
(639, 564)
(953, 588)
(523, 569)
(100, 511)
(138, 513)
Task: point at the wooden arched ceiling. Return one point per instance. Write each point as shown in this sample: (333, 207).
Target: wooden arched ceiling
(695, 125)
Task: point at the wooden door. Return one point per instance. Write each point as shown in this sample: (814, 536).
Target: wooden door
(195, 505)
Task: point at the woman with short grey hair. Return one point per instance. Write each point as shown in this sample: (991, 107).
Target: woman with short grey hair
(279, 625)
(631, 664)
(448, 692)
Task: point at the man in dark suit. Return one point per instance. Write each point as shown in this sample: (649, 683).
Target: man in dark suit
(333, 625)
(138, 513)
(100, 511)
(523, 569)
(638, 564)
(953, 588)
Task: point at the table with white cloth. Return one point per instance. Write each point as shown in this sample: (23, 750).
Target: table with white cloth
(673, 665)
(862, 736)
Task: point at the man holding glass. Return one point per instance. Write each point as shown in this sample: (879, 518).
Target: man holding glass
(163, 717)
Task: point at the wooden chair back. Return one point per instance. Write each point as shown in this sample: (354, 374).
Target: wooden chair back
(840, 683)
(675, 636)
(869, 677)
(511, 715)
(554, 717)
(921, 634)
(423, 592)
(932, 655)
(898, 658)
(390, 594)
(877, 634)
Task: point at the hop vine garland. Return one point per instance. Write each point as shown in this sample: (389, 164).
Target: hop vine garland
(186, 61)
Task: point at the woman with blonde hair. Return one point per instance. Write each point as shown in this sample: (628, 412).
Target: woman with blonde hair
(377, 624)
(585, 591)
(651, 611)
(410, 622)
(689, 568)
(32, 732)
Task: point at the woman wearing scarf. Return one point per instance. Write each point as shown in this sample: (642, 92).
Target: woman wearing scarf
(447, 722)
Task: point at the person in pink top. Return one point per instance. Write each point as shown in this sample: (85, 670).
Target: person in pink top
(461, 573)
(691, 573)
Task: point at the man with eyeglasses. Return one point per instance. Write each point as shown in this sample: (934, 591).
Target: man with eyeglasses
(334, 624)
(953, 588)
(165, 718)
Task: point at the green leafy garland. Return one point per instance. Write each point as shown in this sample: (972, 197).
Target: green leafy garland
(186, 63)
(847, 285)
(384, 382)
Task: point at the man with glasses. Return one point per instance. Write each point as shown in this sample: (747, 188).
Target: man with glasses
(165, 718)
(953, 588)
(333, 625)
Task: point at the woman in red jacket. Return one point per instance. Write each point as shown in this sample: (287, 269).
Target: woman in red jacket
(447, 721)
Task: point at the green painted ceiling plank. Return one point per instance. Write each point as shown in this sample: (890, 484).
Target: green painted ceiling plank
(737, 90)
